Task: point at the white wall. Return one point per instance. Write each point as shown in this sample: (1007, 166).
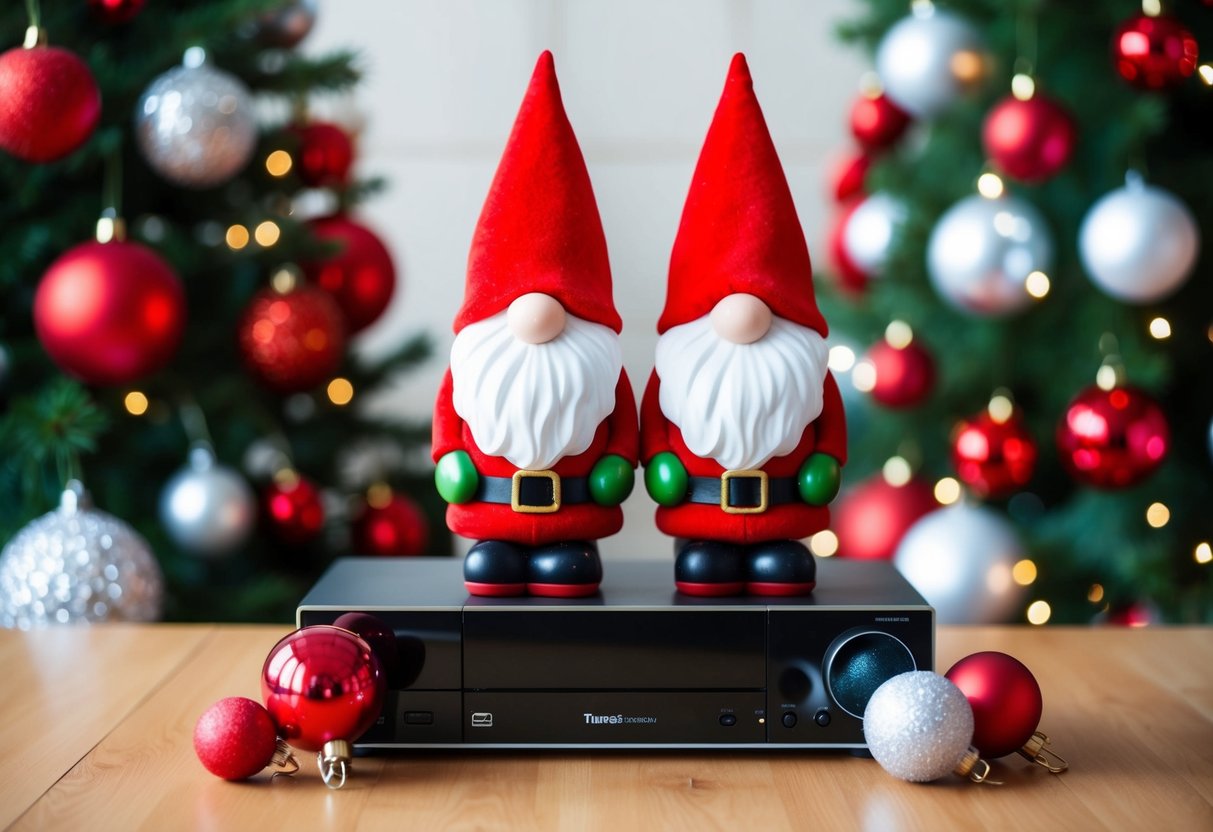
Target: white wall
(640, 80)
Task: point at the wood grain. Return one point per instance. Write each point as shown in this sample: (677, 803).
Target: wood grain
(1131, 709)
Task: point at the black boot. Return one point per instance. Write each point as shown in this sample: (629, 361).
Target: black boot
(708, 568)
(570, 569)
(780, 567)
(495, 568)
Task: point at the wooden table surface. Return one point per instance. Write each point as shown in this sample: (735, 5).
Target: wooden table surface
(97, 726)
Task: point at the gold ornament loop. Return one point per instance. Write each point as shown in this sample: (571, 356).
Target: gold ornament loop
(284, 759)
(332, 762)
(1035, 750)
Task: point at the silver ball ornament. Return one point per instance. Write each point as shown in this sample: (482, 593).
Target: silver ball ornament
(287, 25)
(930, 59)
(870, 231)
(195, 124)
(78, 565)
(982, 251)
(961, 558)
(207, 508)
(1139, 243)
(918, 726)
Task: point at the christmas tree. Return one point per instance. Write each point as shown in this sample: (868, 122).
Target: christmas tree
(192, 364)
(1026, 330)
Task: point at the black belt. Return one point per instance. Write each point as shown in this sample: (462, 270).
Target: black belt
(533, 492)
(743, 492)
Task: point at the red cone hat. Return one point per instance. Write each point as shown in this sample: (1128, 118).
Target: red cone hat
(739, 229)
(539, 230)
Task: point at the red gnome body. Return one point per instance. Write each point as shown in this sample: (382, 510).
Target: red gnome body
(535, 430)
(742, 427)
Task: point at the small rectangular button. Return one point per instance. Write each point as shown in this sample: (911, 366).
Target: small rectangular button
(418, 717)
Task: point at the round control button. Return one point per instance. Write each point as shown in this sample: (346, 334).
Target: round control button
(822, 717)
(789, 719)
(728, 720)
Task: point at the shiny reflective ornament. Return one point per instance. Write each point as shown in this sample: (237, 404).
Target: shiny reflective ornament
(1029, 140)
(905, 376)
(876, 122)
(871, 518)
(292, 341)
(1139, 243)
(1154, 52)
(394, 527)
(848, 176)
(1113, 438)
(870, 231)
(294, 510)
(287, 25)
(207, 508)
(930, 59)
(982, 250)
(78, 565)
(960, 558)
(324, 155)
(361, 276)
(324, 688)
(994, 458)
(195, 124)
(919, 727)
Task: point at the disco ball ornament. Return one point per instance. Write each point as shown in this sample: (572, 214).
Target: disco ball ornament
(292, 341)
(78, 565)
(288, 24)
(1154, 52)
(195, 124)
(207, 508)
(1029, 140)
(982, 251)
(1139, 243)
(929, 60)
(870, 231)
(919, 727)
(1113, 438)
(960, 559)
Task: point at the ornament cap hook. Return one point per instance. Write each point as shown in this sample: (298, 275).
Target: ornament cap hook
(35, 36)
(1036, 751)
(284, 760)
(74, 497)
(974, 768)
(333, 762)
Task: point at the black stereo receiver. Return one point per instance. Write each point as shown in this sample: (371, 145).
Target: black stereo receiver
(638, 665)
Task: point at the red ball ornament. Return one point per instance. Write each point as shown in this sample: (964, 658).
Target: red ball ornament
(1006, 701)
(235, 738)
(1029, 140)
(361, 277)
(114, 12)
(292, 341)
(872, 517)
(325, 154)
(109, 313)
(1154, 52)
(849, 176)
(49, 103)
(390, 527)
(322, 684)
(294, 509)
(850, 278)
(1112, 438)
(380, 637)
(905, 375)
(876, 122)
(994, 458)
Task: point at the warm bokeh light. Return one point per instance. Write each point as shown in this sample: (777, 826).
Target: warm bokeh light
(1001, 408)
(1095, 593)
(1106, 377)
(1024, 572)
(236, 237)
(340, 391)
(899, 335)
(947, 491)
(896, 471)
(1158, 515)
(267, 233)
(1023, 86)
(379, 495)
(1160, 328)
(284, 280)
(278, 163)
(135, 403)
(990, 185)
(1039, 612)
(1206, 73)
(1151, 8)
(864, 376)
(1203, 553)
(824, 544)
(842, 359)
(1037, 284)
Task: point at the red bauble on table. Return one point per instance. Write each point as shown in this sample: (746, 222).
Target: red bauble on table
(294, 340)
(49, 103)
(1154, 52)
(325, 154)
(390, 526)
(872, 517)
(994, 457)
(849, 175)
(905, 375)
(1112, 438)
(876, 122)
(235, 738)
(361, 277)
(109, 313)
(294, 509)
(1029, 140)
(1005, 698)
(114, 12)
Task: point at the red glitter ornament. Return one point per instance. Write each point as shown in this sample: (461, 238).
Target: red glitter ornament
(1029, 140)
(235, 738)
(294, 509)
(905, 375)
(876, 122)
(995, 458)
(392, 526)
(109, 313)
(49, 103)
(325, 154)
(1112, 438)
(871, 518)
(1154, 52)
(293, 340)
(361, 277)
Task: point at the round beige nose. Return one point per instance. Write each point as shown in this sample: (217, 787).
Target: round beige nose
(741, 318)
(535, 318)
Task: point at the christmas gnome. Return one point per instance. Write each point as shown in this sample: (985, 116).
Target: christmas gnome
(535, 428)
(742, 428)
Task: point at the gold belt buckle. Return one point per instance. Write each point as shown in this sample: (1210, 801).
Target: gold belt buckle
(764, 491)
(516, 492)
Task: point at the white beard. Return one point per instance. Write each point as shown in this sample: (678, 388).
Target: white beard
(535, 403)
(741, 404)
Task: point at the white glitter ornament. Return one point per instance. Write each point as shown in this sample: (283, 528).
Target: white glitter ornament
(919, 726)
(195, 124)
(930, 59)
(208, 509)
(78, 565)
